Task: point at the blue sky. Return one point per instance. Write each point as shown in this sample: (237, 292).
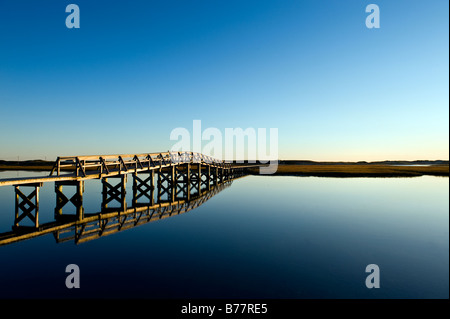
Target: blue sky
(135, 70)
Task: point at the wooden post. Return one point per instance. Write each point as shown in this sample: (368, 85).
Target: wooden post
(152, 192)
(208, 179)
(123, 182)
(80, 191)
(188, 182)
(152, 185)
(36, 209)
(104, 192)
(199, 176)
(135, 177)
(152, 178)
(173, 181)
(159, 184)
(16, 216)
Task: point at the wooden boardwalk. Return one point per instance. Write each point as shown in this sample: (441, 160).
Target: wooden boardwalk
(80, 168)
(176, 175)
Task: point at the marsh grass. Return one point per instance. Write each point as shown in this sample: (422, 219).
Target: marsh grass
(353, 170)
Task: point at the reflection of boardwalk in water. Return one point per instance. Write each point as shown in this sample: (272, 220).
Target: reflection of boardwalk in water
(164, 184)
(110, 220)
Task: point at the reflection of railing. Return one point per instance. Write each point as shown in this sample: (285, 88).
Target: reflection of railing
(108, 221)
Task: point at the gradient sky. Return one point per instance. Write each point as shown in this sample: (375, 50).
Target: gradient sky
(135, 70)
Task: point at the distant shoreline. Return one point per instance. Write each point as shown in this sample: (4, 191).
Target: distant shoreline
(363, 169)
(352, 170)
(33, 165)
(306, 168)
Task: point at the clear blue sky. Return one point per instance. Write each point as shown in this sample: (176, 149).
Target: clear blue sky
(135, 70)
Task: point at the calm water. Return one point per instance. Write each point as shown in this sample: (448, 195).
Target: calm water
(262, 237)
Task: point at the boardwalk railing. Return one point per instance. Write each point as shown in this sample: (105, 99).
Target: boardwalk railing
(83, 166)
